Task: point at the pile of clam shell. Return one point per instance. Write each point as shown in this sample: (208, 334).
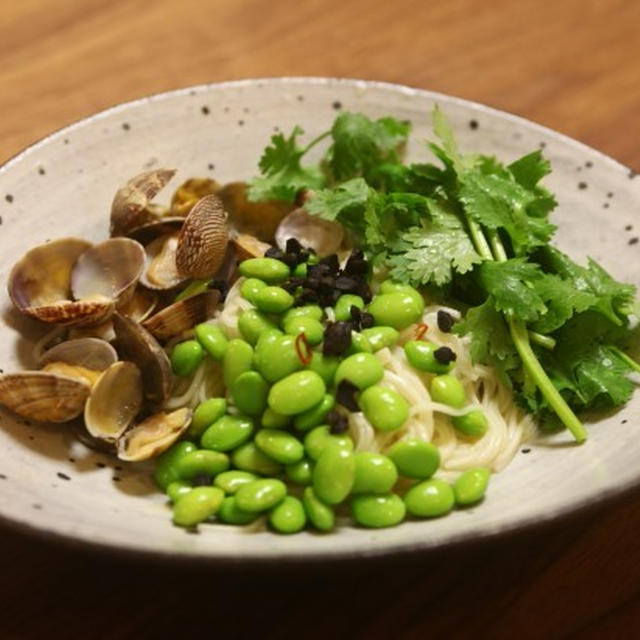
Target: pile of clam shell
(118, 302)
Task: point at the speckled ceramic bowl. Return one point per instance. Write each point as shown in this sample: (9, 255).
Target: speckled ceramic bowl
(64, 186)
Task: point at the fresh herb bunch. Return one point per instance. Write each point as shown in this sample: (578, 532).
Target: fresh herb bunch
(477, 232)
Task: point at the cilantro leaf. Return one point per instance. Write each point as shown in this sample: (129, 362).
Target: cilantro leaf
(331, 204)
(530, 169)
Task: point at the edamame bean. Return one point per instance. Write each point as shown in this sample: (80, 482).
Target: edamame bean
(324, 366)
(334, 474)
(231, 481)
(415, 458)
(319, 438)
(296, 393)
(301, 270)
(397, 310)
(342, 309)
(448, 390)
(474, 423)
(389, 286)
(316, 415)
(269, 270)
(250, 288)
(260, 495)
(279, 445)
(201, 462)
(278, 358)
(377, 511)
(205, 414)
(197, 505)
(251, 323)
(384, 408)
(361, 369)
(288, 516)
(299, 472)
(249, 393)
(420, 356)
(312, 329)
(320, 515)
(380, 337)
(177, 489)
(429, 499)
(249, 458)
(227, 433)
(359, 344)
(375, 473)
(273, 420)
(273, 300)
(213, 341)
(308, 310)
(470, 486)
(165, 472)
(237, 359)
(230, 514)
(186, 357)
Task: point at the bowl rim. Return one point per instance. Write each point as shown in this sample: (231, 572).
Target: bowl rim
(532, 523)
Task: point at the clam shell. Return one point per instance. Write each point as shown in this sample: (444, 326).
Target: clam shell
(114, 402)
(129, 206)
(203, 239)
(43, 396)
(149, 232)
(74, 371)
(161, 272)
(189, 192)
(183, 315)
(136, 344)
(323, 236)
(154, 435)
(248, 246)
(102, 331)
(140, 305)
(90, 353)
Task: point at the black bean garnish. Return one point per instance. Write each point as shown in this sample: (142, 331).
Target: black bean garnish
(355, 312)
(366, 320)
(445, 321)
(273, 252)
(337, 338)
(318, 270)
(290, 259)
(444, 355)
(346, 395)
(357, 264)
(332, 262)
(338, 423)
(293, 246)
(348, 284)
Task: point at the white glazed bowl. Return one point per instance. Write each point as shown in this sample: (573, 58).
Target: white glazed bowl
(64, 185)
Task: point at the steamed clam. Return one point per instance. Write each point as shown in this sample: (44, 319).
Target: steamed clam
(323, 236)
(189, 192)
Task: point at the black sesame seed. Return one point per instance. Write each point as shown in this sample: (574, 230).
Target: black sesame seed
(444, 355)
(346, 395)
(63, 476)
(337, 338)
(205, 110)
(582, 185)
(445, 321)
(473, 124)
(633, 241)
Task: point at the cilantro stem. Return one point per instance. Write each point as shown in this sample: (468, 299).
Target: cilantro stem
(546, 342)
(315, 141)
(482, 246)
(624, 357)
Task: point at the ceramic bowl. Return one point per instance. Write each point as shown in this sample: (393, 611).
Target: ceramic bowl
(63, 185)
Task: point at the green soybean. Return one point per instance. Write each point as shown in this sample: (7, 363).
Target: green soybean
(273, 300)
(342, 310)
(389, 286)
(429, 499)
(319, 438)
(316, 415)
(251, 323)
(272, 420)
(248, 457)
(420, 356)
(448, 390)
(251, 287)
(165, 471)
(201, 462)
(296, 393)
(384, 408)
(275, 359)
(230, 514)
(279, 445)
(470, 486)
(397, 310)
(260, 495)
(361, 369)
(380, 337)
(334, 474)
(474, 423)
(237, 359)
(415, 458)
(231, 481)
(300, 472)
(177, 489)
(312, 329)
(288, 516)
(249, 393)
(359, 344)
(301, 270)
(186, 357)
(324, 366)
(375, 473)
(320, 515)
(213, 341)
(205, 414)
(227, 433)
(269, 270)
(196, 506)
(308, 310)
(377, 511)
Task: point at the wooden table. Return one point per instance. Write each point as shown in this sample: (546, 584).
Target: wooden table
(572, 65)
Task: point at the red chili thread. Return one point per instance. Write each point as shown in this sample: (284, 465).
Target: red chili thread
(305, 358)
(421, 329)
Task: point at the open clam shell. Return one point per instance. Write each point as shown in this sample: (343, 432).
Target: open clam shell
(188, 193)
(43, 396)
(323, 236)
(161, 272)
(154, 435)
(248, 246)
(90, 353)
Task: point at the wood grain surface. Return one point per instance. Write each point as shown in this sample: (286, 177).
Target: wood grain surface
(573, 65)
